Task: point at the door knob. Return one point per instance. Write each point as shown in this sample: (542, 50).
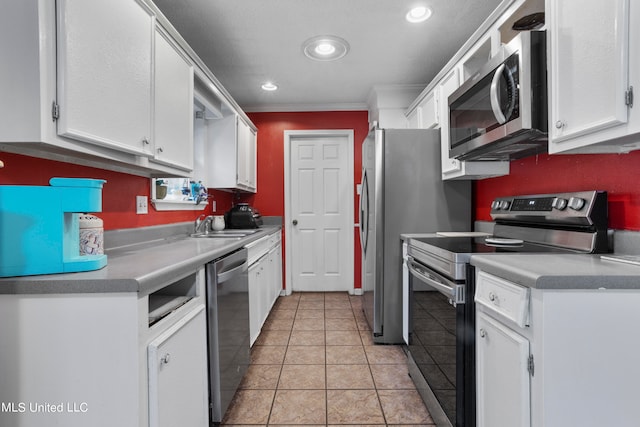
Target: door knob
(295, 222)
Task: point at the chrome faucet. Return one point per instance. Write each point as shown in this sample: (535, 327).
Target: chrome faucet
(203, 225)
(197, 226)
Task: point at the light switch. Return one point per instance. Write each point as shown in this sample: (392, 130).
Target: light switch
(141, 205)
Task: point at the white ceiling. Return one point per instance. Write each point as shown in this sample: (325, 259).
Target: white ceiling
(247, 42)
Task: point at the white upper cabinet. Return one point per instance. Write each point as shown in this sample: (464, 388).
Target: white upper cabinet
(447, 86)
(173, 104)
(102, 83)
(104, 73)
(432, 112)
(592, 68)
(247, 153)
(431, 109)
(231, 154)
(428, 111)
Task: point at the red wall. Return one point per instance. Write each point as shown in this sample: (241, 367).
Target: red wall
(271, 126)
(618, 174)
(118, 194)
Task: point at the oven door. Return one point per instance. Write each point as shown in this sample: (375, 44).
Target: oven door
(441, 346)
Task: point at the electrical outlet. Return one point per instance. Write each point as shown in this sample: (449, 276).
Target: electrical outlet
(141, 205)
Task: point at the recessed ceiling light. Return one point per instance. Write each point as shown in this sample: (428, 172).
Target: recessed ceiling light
(269, 86)
(325, 48)
(418, 14)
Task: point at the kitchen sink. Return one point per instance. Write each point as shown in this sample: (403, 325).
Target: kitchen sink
(226, 234)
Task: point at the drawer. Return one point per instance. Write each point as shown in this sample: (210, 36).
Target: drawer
(503, 298)
(274, 239)
(260, 247)
(257, 249)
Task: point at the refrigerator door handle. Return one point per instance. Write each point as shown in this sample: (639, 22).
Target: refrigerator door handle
(364, 220)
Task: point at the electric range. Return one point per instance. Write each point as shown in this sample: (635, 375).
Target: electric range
(441, 286)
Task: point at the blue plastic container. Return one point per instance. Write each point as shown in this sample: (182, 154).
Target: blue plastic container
(39, 228)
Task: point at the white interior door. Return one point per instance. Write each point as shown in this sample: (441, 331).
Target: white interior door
(319, 210)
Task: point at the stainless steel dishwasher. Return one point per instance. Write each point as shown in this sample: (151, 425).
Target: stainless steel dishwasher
(227, 329)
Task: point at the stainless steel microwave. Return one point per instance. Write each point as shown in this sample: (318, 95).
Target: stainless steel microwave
(500, 113)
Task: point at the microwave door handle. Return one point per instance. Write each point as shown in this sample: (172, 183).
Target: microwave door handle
(495, 102)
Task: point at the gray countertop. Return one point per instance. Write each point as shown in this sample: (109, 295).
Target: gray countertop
(142, 268)
(564, 271)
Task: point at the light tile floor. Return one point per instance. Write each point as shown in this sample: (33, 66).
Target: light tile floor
(315, 364)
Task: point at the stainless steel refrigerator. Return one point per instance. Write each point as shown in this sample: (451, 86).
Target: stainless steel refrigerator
(401, 192)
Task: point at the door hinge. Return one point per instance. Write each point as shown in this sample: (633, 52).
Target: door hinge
(55, 111)
(530, 364)
(628, 97)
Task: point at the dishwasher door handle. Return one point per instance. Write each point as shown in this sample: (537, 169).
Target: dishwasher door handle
(232, 272)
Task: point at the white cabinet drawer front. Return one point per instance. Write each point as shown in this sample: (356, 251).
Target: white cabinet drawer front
(504, 298)
(257, 249)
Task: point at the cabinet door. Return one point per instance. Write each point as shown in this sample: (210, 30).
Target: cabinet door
(178, 390)
(428, 111)
(246, 156)
(104, 73)
(503, 393)
(273, 279)
(255, 277)
(278, 272)
(589, 67)
(173, 102)
(252, 160)
(447, 86)
(242, 152)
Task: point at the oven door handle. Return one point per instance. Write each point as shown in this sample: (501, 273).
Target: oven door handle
(455, 293)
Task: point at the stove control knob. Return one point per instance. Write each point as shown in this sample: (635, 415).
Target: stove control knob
(559, 203)
(495, 205)
(576, 203)
(505, 205)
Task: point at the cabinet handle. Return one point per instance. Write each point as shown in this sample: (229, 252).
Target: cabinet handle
(559, 124)
(492, 296)
(166, 359)
(483, 333)
(294, 222)
(160, 150)
(145, 141)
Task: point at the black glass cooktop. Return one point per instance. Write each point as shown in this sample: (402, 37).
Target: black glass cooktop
(479, 245)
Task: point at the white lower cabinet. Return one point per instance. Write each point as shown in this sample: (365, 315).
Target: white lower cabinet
(69, 360)
(256, 273)
(503, 397)
(178, 373)
(555, 357)
(265, 280)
